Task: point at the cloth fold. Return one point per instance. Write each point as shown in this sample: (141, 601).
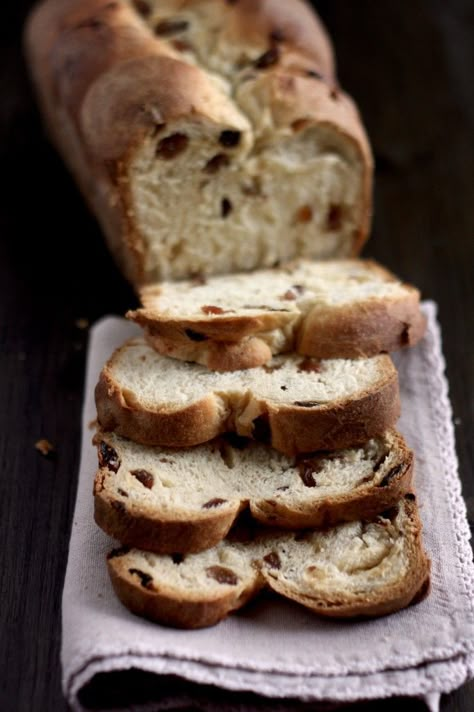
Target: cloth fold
(273, 647)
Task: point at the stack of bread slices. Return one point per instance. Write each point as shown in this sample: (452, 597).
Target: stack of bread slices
(247, 440)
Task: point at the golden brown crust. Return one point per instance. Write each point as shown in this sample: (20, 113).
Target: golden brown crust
(296, 429)
(164, 606)
(154, 533)
(411, 588)
(291, 429)
(191, 610)
(361, 329)
(199, 422)
(105, 81)
(363, 504)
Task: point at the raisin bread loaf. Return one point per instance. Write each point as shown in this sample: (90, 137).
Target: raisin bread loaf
(207, 136)
(170, 501)
(295, 404)
(362, 568)
(333, 309)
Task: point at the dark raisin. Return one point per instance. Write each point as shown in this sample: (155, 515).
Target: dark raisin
(273, 560)
(108, 457)
(210, 309)
(119, 551)
(226, 207)
(118, 506)
(309, 365)
(229, 139)
(261, 429)
(277, 35)
(379, 461)
(307, 472)
(145, 579)
(334, 218)
(216, 163)
(314, 74)
(166, 28)
(145, 477)
(307, 404)
(390, 475)
(405, 335)
(222, 575)
(390, 513)
(283, 388)
(283, 488)
(171, 146)
(410, 497)
(304, 214)
(122, 492)
(268, 58)
(216, 502)
(177, 558)
(195, 335)
(299, 125)
(142, 7)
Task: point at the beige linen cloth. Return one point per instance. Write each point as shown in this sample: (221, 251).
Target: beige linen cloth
(273, 647)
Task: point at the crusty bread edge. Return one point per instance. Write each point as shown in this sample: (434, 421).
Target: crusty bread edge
(291, 429)
(170, 608)
(164, 533)
(412, 588)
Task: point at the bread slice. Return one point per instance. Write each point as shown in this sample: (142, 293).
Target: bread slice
(171, 501)
(334, 309)
(362, 568)
(294, 404)
(206, 136)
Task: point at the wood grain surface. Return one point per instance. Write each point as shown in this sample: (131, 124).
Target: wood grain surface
(410, 66)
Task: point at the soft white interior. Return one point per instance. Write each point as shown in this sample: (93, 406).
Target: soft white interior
(183, 481)
(353, 558)
(193, 577)
(328, 284)
(158, 382)
(350, 560)
(275, 198)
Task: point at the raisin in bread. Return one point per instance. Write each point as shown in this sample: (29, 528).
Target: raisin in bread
(294, 404)
(170, 501)
(362, 568)
(207, 136)
(334, 309)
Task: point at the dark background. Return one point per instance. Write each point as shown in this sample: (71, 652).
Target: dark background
(410, 66)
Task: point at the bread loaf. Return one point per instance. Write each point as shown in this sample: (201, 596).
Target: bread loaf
(363, 568)
(207, 136)
(293, 403)
(333, 309)
(169, 500)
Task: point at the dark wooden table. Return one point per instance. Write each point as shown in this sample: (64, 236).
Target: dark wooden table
(410, 65)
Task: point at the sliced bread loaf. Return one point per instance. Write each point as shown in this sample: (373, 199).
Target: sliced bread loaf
(336, 309)
(171, 501)
(362, 568)
(295, 404)
(208, 136)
